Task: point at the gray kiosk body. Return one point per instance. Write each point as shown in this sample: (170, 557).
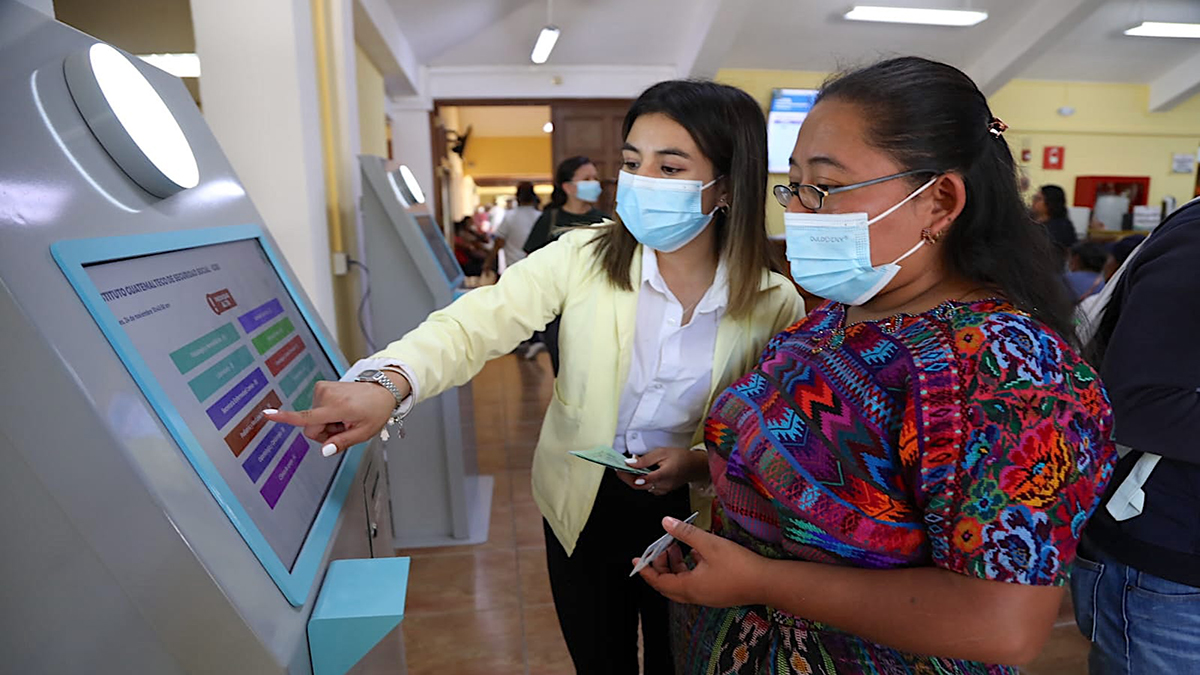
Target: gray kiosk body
(118, 557)
(438, 496)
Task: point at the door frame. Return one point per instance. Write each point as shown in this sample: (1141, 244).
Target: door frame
(436, 137)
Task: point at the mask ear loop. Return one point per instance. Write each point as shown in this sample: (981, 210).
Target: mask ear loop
(911, 251)
(718, 207)
(902, 202)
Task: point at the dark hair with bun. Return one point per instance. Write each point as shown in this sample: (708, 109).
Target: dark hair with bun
(926, 114)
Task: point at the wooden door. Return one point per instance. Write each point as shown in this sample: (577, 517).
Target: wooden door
(592, 129)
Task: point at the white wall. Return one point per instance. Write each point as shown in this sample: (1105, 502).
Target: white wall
(44, 6)
(412, 144)
(260, 99)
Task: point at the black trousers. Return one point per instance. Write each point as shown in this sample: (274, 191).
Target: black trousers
(549, 338)
(598, 603)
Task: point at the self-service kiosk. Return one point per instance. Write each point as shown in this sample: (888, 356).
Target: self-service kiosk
(438, 496)
(151, 520)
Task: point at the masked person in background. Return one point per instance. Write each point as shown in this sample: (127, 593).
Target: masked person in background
(902, 479)
(572, 204)
(660, 310)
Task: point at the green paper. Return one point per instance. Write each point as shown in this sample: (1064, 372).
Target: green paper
(610, 458)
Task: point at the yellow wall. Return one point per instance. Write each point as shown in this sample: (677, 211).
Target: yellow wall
(518, 156)
(1111, 133)
(372, 128)
(759, 83)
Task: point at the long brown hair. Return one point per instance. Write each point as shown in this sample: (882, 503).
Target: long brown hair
(729, 128)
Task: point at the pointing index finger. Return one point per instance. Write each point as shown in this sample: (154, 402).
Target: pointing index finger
(303, 418)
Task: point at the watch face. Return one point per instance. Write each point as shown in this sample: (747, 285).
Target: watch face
(368, 375)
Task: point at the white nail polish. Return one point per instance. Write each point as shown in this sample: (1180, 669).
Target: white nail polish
(329, 450)
(270, 411)
(640, 481)
(631, 460)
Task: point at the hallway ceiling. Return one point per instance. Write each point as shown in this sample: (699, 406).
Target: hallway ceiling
(792, 34)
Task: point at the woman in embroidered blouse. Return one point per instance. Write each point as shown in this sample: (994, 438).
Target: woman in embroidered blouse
(902, 480)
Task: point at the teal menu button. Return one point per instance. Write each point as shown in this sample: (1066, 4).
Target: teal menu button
(203, 348)
(297, 375)
(305, 399)
(207, 383)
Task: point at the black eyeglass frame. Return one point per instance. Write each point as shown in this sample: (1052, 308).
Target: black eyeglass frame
(785, 193)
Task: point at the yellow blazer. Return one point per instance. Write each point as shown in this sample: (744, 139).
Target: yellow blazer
(596, 344)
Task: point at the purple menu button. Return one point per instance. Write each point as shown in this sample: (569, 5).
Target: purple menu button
(273, 489)
(242, 394)
(260, 315)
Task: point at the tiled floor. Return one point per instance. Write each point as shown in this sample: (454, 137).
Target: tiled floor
(487, 609)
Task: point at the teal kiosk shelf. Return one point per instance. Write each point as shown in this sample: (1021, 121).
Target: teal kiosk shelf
(360, 602)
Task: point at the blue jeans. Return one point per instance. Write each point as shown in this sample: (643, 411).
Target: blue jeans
(1139, 624)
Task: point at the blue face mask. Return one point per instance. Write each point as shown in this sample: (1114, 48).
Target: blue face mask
(662, 213)
(830, 253)
(587, 190)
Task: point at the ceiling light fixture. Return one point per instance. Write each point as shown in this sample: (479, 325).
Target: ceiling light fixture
(917, 15)
(544, 45)
(179, 65)
(548, 127)
(1165, 29)
(546, 39)
(131, 120)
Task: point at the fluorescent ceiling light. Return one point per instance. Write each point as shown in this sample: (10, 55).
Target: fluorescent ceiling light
(131, 120)
(179, 65)
(544, 45)
(548, 127)
(931, 17)
(1163, 29)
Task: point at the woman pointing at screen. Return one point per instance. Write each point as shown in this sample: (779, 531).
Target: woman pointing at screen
(659, 310)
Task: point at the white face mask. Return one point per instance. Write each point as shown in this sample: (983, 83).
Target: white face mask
(830, 253)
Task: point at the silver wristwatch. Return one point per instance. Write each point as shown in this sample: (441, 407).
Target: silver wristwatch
(396, 419)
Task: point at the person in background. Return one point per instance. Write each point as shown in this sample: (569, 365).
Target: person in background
(660, 310)
(572, 204)
(902, 478)
(499, 210)
(510, 238)
(479, 220)
(470, 249)
(1085, 265)
(1136, 585)
(1118, 253)
(1049, 207)
(514, 230)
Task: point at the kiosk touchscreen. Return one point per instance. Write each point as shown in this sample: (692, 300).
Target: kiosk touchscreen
(212, 335)
(152, 520)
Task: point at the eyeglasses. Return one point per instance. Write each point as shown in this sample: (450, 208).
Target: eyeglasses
(812, 197)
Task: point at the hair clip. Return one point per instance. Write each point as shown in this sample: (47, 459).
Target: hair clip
(997, 127)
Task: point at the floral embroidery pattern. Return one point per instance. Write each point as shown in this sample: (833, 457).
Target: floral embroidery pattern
(969, 437)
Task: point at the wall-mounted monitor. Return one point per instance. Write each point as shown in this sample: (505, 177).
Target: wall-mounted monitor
(213, 331)
(789, 107)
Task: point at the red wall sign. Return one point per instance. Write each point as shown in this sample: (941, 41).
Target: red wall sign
(1052, 157)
